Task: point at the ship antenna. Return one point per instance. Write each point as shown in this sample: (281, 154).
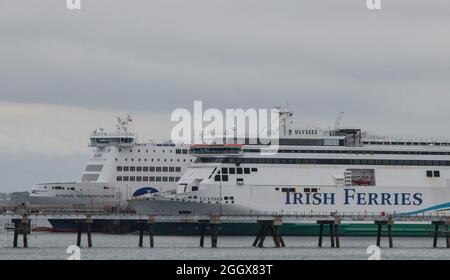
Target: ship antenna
(338, 121)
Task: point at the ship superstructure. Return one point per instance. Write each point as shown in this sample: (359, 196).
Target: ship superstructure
(119, 167)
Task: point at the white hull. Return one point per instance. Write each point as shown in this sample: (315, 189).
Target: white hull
(250, 200)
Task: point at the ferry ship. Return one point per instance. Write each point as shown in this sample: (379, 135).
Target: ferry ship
(316, 171)
(119, 167)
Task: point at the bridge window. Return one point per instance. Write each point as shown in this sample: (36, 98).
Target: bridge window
(94, 168)
(89, 177)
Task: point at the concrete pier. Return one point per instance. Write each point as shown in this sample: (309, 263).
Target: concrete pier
(269, 224)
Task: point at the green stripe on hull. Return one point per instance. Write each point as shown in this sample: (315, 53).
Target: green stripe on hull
(409, 230)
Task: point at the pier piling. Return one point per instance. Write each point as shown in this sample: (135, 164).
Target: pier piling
(80, 226)
(334, 232)
(213, 223)
(151, 230)
(16, 232)
(272, 227)
(202, 234)
(88, 223)
(380, 223)
(141, 234)
(437, 224)
(21, 226)
(25, 235)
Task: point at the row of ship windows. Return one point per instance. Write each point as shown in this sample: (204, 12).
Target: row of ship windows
(177, 151)
(225, 171)
(239, 170)
(354, 152)
(407, 143)
(433, 173)
(86, 195)
(147, 179)
(326, 161)
(148, 169)
(69, 188)
(240, 181)
(157, 159)
(224, 178)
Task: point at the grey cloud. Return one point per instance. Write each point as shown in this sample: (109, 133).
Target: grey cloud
(152, 55)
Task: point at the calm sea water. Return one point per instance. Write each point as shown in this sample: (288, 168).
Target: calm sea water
(107, 246)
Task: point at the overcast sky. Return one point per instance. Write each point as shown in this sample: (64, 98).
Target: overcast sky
(64, 73)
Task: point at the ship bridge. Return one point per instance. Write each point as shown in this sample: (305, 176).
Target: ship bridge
(122, 137)
(214, 150)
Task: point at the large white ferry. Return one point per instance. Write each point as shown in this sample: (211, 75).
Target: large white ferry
(119, 167)
(313, 171)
